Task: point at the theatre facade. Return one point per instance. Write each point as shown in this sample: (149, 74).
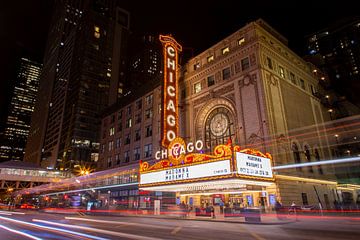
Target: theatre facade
(213, 130)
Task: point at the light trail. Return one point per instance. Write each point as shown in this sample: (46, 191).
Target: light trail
(91, 229)
(325, 162)
(52, 228)
(9, 212)
(19, 232)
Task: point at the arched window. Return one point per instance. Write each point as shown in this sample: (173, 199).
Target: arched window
(219, 127)
(296, 154)
(317, 158)
(308, 157)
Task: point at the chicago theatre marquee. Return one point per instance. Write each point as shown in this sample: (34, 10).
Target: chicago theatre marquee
(228, 116)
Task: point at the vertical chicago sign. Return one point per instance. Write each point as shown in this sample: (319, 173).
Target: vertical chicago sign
(170, 89)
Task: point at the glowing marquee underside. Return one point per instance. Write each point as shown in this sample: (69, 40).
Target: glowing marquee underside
(170, 89)
(195, 167)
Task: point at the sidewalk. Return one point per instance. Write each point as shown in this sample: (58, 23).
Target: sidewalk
(265, 220)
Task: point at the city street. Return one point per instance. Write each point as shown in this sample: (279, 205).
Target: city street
(37, 225)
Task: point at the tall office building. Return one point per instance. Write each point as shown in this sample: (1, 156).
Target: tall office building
(21, 107)
(146, 59)
(84, 71)
(337, 50)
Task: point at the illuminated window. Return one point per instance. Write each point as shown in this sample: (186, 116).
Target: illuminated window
(226, 73)
(196, 66)
(282, 72)
(128, 123)
(197, 87)
(111, 145)
(111, 131)
(245, 63)
(225, 50)
(211, 80)
(210, 59)
(241, 41)
(96, 32)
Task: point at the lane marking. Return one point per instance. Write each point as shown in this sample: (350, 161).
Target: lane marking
(53, 229)
(118, 234)
(254, 235)
(117, 222)
(176, 230)
(20, 232)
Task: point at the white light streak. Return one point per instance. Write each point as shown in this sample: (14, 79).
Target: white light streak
(20, 233)
(325, 162)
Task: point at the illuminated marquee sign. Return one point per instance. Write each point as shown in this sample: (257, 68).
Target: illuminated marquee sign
(170, 89)
(252, 165)
(199, 171)
(177, 148)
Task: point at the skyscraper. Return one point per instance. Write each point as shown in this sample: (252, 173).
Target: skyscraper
(21, 107)
(337, 49)
(84, 71)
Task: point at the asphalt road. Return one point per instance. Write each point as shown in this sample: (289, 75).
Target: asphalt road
(37, 225)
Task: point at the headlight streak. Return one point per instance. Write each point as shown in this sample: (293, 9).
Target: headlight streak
(19, 232)
(91, 229)
(52, 228)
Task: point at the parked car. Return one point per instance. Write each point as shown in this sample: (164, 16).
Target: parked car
(28, 206)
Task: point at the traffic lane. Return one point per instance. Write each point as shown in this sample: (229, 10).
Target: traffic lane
(168, 228)
(31, 230)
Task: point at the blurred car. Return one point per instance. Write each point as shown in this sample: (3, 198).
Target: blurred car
(28, 206)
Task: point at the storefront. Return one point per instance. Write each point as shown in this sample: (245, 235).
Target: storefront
(227, 180)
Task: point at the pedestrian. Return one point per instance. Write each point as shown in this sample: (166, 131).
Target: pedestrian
(278, 208)
(212, 211)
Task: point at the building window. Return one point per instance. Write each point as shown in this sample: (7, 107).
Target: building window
(127, 156)
(241, 41)
(269, 63)
(127, 139)
(128, 123)
(138, 104)
(137, 154)
(148, 150)
(111, 131)
(96, 32)
(317, 158)
(149, 99)
(245, 63)
(308, 157)
(225, 50)
(226, 73)
(111, 146)
(296, 154)
(292, 78)
(210, 58)
(137, 118)
(137, 135)
(304, 199)
(117, 159)
(128, 110)
(119, 126)
(118, 142)
(109, 162)
(197, 87)
(119, 115)
(302, 84)
(196, 66)
(148, 131)
(112, 118)
(282, 72)
(210, 80)
(219, 127)
(148, 113)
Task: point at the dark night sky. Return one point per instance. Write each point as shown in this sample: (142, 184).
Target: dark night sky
(196, 24)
